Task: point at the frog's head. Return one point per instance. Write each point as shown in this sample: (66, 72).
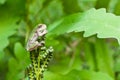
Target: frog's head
(41, 30)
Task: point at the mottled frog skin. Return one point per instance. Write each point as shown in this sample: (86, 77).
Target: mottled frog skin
(33, 41)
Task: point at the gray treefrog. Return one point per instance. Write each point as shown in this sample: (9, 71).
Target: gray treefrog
(33, 42)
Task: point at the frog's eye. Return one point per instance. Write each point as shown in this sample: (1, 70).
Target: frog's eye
(39, 26)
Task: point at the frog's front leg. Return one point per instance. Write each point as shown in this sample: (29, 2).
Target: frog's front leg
(34, 45)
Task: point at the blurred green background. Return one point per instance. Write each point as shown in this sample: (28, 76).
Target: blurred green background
(75, 57)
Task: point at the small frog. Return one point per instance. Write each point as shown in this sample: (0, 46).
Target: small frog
(34, 40)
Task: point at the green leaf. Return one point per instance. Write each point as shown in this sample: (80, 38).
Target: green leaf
(67, 4)
(22, 55)
(2, 1)
(7, 29)
(103, 57)
(112, 5)
(1, 56)
(117, 8)
(117, 65)
(86, 4)
(65, 63)
(77, 75)
(44, 11)
(90, 55)
(105, 25)
(18, 65)
(8, 20)
(50, 12)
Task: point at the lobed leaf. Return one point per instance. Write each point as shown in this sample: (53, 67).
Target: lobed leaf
(105, 25)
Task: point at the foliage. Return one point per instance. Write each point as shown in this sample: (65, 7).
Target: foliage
(79, 75)
(80, 31)
(92, 22)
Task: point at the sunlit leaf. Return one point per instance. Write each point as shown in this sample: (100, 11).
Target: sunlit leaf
(105, 25)
(2, 1)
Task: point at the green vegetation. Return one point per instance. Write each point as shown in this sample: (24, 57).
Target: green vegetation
(85, 35)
